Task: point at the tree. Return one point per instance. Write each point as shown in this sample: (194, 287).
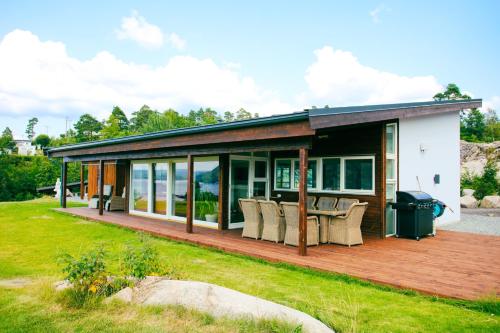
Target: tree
(120, 117)
(492, 128)
(7, 140)
(141, 117)
(117, 124)
(452, 92)
(473, 126)
(87, 128)
(228, 116)
(30, 128)
(43, 140)
(203, 117)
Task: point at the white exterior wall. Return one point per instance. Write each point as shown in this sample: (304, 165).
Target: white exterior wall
(439, 136)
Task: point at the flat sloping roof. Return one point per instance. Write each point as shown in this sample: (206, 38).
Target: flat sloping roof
(316, 119)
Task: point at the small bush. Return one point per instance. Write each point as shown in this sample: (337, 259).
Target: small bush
(87, 274)
(141, 261)
(487, 184)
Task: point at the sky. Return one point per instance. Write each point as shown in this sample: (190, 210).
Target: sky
(60, 59)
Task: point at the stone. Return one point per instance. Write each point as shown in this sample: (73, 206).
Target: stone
(15, 283)
(216, 301)
(62, 285)
(125, 295)
(490, 201)
(468, 191)
(468, 201)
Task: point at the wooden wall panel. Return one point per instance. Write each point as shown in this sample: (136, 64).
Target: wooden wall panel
(110, 177)
(349, 141)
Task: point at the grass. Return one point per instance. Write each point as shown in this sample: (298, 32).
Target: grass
(32, 235)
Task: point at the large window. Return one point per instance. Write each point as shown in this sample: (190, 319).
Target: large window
(331, 174)
(343, 174)
(140, 186)
(358, 174)
(160, 188)
(283, 174)
(311, 173)
(179, 191)
(206, 195)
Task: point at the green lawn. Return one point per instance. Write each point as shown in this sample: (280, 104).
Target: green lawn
(32, 235)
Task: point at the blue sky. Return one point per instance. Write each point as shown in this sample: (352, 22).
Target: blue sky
(266, 57)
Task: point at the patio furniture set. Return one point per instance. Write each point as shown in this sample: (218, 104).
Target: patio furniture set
(111, 202)
(330, 220)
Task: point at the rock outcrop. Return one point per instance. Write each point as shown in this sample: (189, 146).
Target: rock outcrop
(468, 201)
(490, 201)
(473, 156)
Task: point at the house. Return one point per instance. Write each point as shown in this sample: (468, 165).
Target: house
(24, 147)
(366, 152)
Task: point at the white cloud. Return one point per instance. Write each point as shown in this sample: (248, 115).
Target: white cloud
(338, 78)
(177, 41)
(136, 28)
(377, 11)
(39, 77)
(492, 103)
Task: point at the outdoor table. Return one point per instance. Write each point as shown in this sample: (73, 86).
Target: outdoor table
(324, 218)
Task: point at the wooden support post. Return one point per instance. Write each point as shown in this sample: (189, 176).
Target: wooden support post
(82, 181)
(64, 182)
(101, 187)
(303, 202)
(128, 185)
(189, 196)
(223, 191)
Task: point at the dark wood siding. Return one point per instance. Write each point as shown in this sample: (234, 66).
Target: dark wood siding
(365, 140)
(110, 178)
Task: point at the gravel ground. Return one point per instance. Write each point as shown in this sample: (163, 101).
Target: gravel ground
(479, 221)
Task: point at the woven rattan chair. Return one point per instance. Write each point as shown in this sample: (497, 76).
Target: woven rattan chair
(346, 230)
(291, 211)
(116, 202)
(252, 227)
(345, 203)
(326, 203)
(311, 200)
(107, 192)
(274, 221)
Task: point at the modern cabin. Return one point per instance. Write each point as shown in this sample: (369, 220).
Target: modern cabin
(197, 175)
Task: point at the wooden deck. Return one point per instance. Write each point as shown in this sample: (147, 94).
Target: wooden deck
(452, 264)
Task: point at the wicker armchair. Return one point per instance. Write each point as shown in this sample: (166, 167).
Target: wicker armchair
(326, 203)
(274, 221)
(346, 230)
(311, 200)
(116, 202)
(291, 210)
(107, 192)
(345, 203)
(252, 228)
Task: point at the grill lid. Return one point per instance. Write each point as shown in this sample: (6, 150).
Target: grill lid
(412, 196)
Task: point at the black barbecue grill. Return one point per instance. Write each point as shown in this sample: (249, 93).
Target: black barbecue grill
(414, 214)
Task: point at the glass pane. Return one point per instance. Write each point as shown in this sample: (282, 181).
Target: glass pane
(206, 194)
(390, 172)
(389, 138)
(311, 174)
(390, 192)
(179, 191)
(160, 188)
(283, 173)
(259, 189)
(261, 154)
(358, 174)
(331, 174)
(390, 214)
(239, 188)
(260, 169)
(140, 186)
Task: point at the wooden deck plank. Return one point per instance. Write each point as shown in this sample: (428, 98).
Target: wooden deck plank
(452, 264)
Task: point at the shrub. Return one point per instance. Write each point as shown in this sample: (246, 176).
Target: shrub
(87, 273)
(487, 184)
(140, 261)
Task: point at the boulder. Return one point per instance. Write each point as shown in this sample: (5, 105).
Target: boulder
(125, 295)
(217, 301)
(490, 201)
(468, 191)
(468, 201)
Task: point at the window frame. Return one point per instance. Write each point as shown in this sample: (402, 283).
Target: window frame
(319, 174)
